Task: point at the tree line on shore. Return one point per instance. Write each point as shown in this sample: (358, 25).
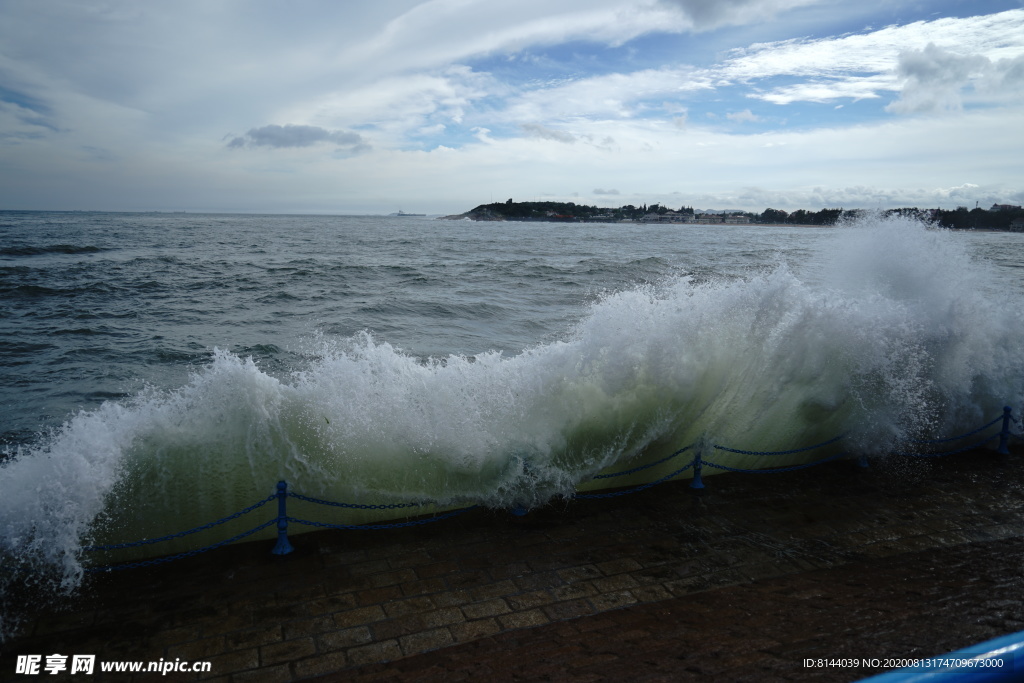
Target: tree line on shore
(999, 217)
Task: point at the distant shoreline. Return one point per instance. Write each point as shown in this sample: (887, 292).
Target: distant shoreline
(465, 217)
(1000, 218)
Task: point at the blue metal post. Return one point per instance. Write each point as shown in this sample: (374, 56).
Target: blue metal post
(697, 482)
(1004, 436)
(283, 547)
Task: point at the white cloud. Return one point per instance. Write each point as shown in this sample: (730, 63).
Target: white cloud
(745, 116)
(863, 65)
(443, 31)
(996, 36)
(852, 87)
(858, 196)
(856, 67)
(934, 79)
(608, 96)
(402, 104)
(439, 32)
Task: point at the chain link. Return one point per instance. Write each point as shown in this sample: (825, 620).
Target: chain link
(179, 556)
(775, 470)
(642, 467)
(135, 544)
(356, 506)
(392, 525)
(795, 450)
(642, 487)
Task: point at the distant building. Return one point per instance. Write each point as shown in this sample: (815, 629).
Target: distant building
(1017, 225)
(1003, 207)
(700, 219)
(667, 217)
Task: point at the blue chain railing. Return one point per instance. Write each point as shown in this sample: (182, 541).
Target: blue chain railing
(122, 546)
(283, 546)
(1004, 437)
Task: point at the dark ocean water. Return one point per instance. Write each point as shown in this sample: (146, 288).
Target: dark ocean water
(96, 304)
(162, 370)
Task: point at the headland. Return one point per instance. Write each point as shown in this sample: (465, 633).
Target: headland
(1001, 217)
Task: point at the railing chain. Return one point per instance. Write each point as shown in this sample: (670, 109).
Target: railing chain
(282, 519)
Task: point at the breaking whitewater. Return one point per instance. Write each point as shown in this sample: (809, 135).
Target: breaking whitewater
(165, 371)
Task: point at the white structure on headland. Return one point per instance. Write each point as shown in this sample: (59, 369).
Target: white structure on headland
(695, 219)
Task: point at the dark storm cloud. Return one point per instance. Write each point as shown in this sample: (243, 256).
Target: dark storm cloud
(298, 136)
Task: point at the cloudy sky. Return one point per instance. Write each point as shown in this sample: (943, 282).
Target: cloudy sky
(330, 106)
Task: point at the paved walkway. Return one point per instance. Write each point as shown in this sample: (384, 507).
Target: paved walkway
(488, 593)
(914, 605)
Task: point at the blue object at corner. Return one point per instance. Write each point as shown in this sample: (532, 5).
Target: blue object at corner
(1000, 660)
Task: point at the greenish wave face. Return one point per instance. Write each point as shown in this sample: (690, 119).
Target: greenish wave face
(895, 335)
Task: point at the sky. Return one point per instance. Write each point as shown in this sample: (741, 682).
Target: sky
(436, 106)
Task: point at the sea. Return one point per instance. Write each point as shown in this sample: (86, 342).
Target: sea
(160, 370)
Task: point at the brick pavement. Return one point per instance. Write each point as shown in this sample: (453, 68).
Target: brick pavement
(349, 602)
(914, 605)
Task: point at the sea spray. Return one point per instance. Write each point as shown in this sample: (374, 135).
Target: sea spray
(891, 332)
(958, 327)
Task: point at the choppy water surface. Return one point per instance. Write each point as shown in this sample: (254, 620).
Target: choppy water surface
(159, 370)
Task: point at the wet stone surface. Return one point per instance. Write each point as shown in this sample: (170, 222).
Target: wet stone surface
(914, 605)
(741, 582)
